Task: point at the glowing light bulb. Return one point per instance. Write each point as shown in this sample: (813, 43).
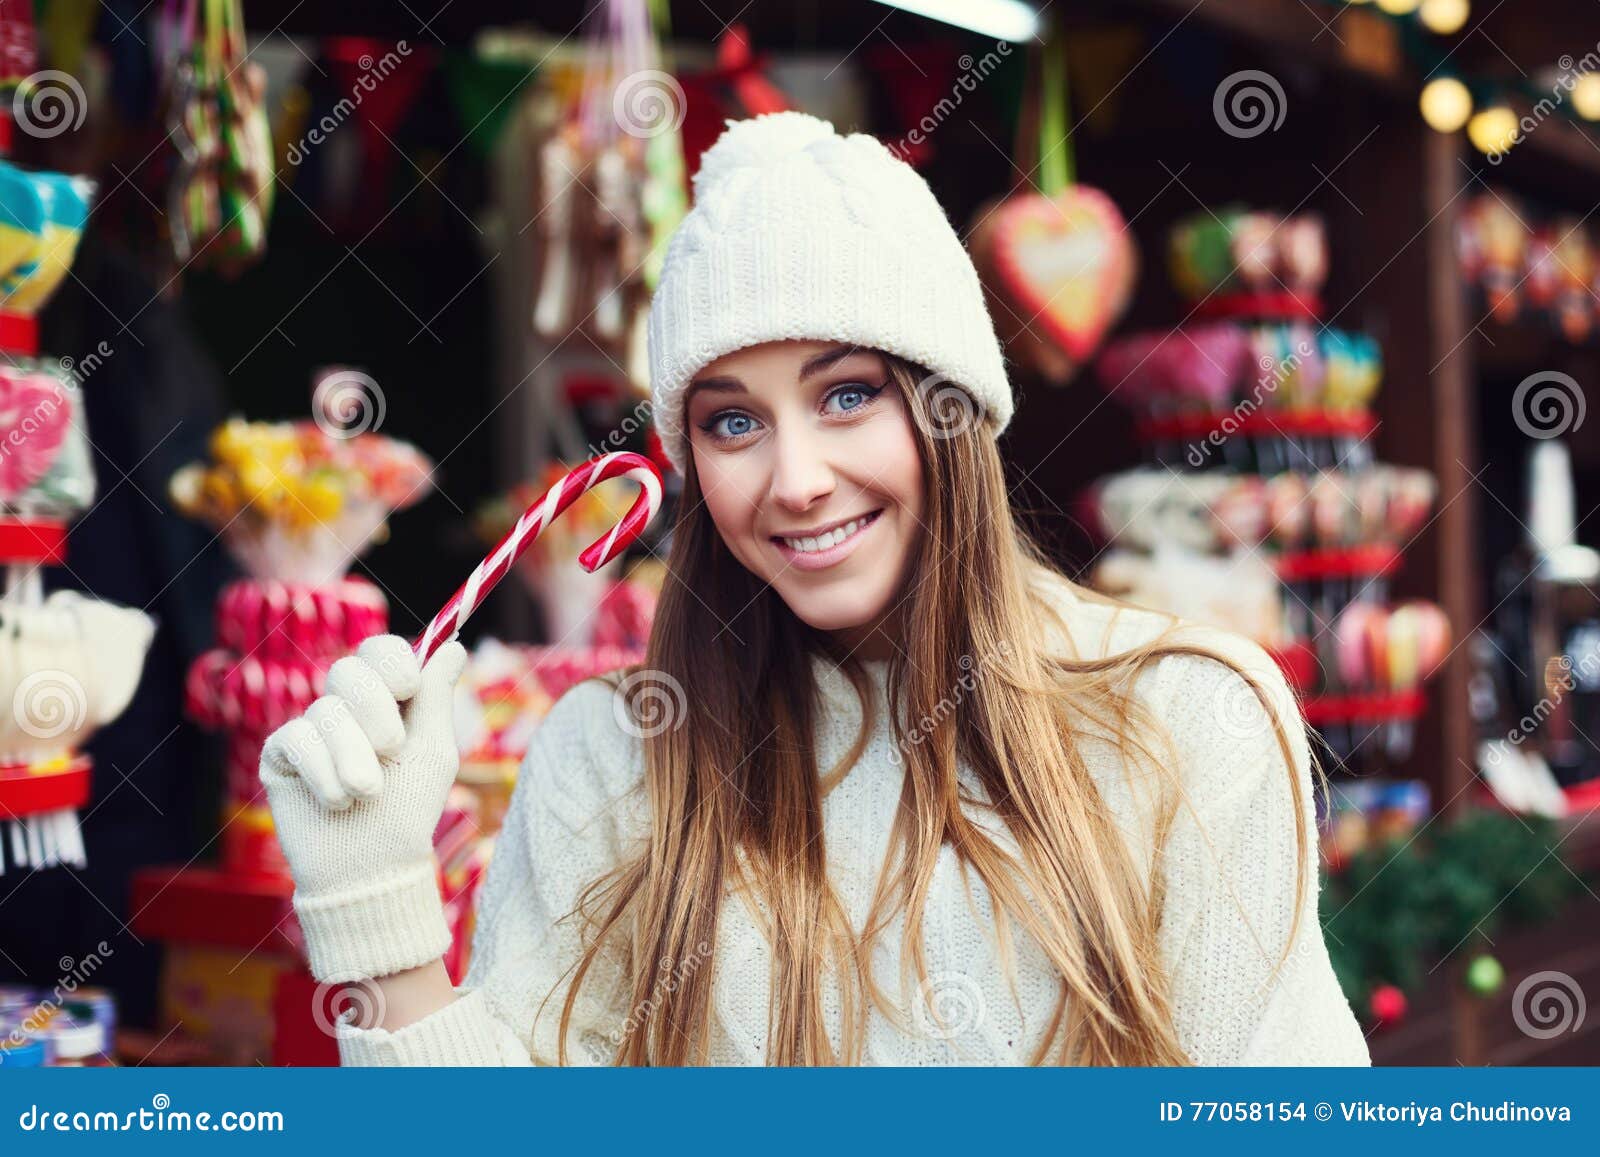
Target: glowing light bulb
(1446, 104)
(1494, 130)
(1399, 7)
(1444, 17)
(1586, 96)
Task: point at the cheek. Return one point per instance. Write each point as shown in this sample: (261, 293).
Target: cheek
(896, 463)
(731, 495)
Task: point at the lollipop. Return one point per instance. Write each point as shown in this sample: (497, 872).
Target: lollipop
(1288, 509)
(1240, 510)
(1403, 648)
(1351, 645)
(1433, 636)
(1411, 496)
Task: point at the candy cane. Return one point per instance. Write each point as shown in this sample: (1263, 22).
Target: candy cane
(448, 622)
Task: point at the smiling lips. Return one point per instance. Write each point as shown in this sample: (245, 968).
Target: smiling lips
(813, 552)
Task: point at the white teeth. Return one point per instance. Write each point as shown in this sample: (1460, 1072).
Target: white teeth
(824, 541)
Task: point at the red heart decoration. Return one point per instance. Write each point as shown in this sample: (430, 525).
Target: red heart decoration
(34, 414)
(1068, 262)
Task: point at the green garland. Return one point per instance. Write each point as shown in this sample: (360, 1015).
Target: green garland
(1397, 908)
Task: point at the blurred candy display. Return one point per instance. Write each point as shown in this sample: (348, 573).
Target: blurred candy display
(1265, 395)
(69, 663)
(222, 187)
(295, 502)
(1215, 256)
(1529, 264)
(41, 221)
(73, 1026)
(1363, 813)
(1216, 511)
(1261, 509)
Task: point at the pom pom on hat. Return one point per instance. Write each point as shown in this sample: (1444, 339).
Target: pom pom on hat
(758, 141)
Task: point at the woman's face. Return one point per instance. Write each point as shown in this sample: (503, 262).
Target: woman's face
(809, 468)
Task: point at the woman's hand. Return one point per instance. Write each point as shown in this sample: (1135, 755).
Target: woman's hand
(356, 786)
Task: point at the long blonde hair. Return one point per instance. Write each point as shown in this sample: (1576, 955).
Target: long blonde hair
(736, 799)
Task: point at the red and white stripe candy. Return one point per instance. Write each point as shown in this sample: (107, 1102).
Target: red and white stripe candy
(290, 620)
(448, 622)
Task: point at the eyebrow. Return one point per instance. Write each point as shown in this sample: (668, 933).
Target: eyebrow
(812, 366)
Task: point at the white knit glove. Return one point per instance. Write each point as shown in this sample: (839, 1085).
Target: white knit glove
(357, 785)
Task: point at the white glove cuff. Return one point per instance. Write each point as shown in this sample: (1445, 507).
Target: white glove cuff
(381, 928)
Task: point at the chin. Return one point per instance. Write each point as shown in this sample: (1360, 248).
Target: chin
(834, 611)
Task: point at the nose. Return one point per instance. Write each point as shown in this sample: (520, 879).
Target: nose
(801, 473)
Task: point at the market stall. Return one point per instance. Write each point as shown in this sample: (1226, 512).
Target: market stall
(1301, 299)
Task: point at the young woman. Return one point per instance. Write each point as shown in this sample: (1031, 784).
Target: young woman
(887, 788)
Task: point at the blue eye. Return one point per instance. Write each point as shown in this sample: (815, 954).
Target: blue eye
(855, 390)
(739, 424)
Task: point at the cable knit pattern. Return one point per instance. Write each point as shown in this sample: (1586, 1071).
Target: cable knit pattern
(1229, 874)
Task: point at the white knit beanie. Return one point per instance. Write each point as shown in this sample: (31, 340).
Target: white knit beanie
(797, 232)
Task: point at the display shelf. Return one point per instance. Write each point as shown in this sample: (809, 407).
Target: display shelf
(19, 332)
(1368, 561)
(26, 791)
(1299, 663)
(1283, 423)
(205, 906)
(33, 540)
(1285, 305)
(1391, 706)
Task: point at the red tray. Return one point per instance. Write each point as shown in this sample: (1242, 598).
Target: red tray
(1286, 304)
(1260, 423)
(1338, 562)
(205, 906)
(33, 540)
(25, 792)
(1299, 663)
(1321, 710)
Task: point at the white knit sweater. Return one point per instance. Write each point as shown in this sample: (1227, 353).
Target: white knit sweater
(577, 807)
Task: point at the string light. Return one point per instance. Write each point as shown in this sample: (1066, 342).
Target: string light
(1444, 17)
(1494, 130)
(1586, 96)
(1446, 104)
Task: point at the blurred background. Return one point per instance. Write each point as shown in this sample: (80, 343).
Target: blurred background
(303, 303)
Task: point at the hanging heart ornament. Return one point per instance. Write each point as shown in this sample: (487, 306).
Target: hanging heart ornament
(1068, 262)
